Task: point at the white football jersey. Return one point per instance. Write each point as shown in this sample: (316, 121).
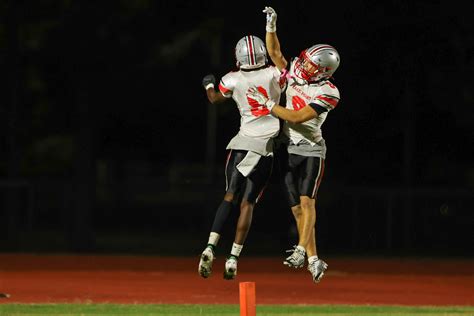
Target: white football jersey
(256, 121)
(299, 94)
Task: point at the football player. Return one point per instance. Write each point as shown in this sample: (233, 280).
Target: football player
(310, 96)
(250, 153)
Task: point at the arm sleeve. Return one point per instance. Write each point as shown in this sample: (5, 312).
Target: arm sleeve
(318, 108)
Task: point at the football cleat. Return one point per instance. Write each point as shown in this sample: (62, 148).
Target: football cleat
(296, 259)
(205, 264)
(317, 269)
(230, 268)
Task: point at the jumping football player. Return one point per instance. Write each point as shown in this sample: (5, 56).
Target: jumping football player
(310, 95)
(250, 153)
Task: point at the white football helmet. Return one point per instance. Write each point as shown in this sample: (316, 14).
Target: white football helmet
(250, 52)
(317, 62)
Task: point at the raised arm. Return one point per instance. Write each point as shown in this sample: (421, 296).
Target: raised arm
(208, 82)
(271, 40)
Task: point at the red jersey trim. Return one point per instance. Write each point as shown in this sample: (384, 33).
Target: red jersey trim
(223, 89)
(328, 99)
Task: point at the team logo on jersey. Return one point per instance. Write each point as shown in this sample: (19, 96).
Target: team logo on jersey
(255, 108)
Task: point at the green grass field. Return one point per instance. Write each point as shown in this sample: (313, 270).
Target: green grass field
(187, 310)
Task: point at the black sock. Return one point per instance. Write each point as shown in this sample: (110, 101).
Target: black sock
(221, 216)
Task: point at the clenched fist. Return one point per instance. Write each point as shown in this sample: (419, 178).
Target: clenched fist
(208, 81)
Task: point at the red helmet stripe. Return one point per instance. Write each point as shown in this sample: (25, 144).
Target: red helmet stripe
(251, 50)
(319, 48)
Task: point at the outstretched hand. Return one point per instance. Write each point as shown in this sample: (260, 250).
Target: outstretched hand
(260, 98)
(271, 19)
(209, 81)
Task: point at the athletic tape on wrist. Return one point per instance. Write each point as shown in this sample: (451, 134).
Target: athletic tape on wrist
(209, 85)
(270, 104)
(271, 28)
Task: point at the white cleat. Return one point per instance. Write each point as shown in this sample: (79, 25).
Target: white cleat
(205, 264)
(230, 268)
(317, 269)
(296, 259)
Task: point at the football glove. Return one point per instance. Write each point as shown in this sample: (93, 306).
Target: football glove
(208, 81)
(260, 98)
(271, 19)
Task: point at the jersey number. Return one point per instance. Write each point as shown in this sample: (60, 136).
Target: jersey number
(257, 109)
(298, 103)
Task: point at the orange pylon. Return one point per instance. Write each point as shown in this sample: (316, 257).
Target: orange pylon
(247, 299)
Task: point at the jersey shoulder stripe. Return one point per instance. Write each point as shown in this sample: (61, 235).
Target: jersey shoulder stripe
(227, 83)
(328, 100)
(225, 92)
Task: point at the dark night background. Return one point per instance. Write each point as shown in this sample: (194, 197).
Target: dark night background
(109, 143)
